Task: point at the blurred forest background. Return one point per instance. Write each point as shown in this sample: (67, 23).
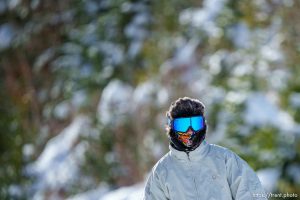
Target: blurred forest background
(85, 84)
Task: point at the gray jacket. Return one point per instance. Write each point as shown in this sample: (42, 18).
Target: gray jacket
(210, 172)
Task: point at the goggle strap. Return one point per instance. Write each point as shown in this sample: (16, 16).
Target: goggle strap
(169, 122)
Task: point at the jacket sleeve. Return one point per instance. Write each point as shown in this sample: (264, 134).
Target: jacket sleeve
(244, 183)
(155, 188)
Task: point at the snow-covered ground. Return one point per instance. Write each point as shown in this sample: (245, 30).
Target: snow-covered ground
(134, 192)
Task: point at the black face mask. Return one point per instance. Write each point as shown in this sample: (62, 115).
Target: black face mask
(195, 140)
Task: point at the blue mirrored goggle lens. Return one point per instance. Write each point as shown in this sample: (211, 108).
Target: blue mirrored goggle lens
(182, 124)
(197, 123)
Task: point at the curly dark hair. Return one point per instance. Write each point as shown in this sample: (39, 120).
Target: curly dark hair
(185, 107)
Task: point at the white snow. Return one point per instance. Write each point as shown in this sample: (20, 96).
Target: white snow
(244, 68)
(262, 110)
(144, 93)
(43, 58)
(279, 79)
(91, 7)
(28, 150)
(15, 191)
(12, 4)
(79, 98)
(156, 148)
(7, 34)
(87, 35)
(269, 178)
(115, 102)
(136, 30)
(219, 133)
(62, 110)
(272, 38)
(162, 96)
(58, 164)
(134, 48)
(215, 61)
(71, 48)
(235, 97)
(240, 35)
(66, 61)
(185, 54)
(271, 51)
(204, 17)
(216, 95)
(183, 62)
(134, 192)
(94, 194)
(295, 99)
(288, 3)
(113, 53)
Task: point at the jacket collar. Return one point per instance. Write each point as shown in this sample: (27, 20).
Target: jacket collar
(197, 154)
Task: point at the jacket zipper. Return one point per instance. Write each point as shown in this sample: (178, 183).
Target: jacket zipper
(194, 180)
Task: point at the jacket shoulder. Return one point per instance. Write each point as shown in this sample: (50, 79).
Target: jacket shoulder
(221, 152)
(227, 155)
(161, 164)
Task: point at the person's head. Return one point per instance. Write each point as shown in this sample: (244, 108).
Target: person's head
(186, 124)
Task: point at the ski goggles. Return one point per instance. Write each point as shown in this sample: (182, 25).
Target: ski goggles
(183, 124)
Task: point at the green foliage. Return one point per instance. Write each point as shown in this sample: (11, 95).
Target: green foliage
(11, 143)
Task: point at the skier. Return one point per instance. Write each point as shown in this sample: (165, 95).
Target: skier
(194, 169)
